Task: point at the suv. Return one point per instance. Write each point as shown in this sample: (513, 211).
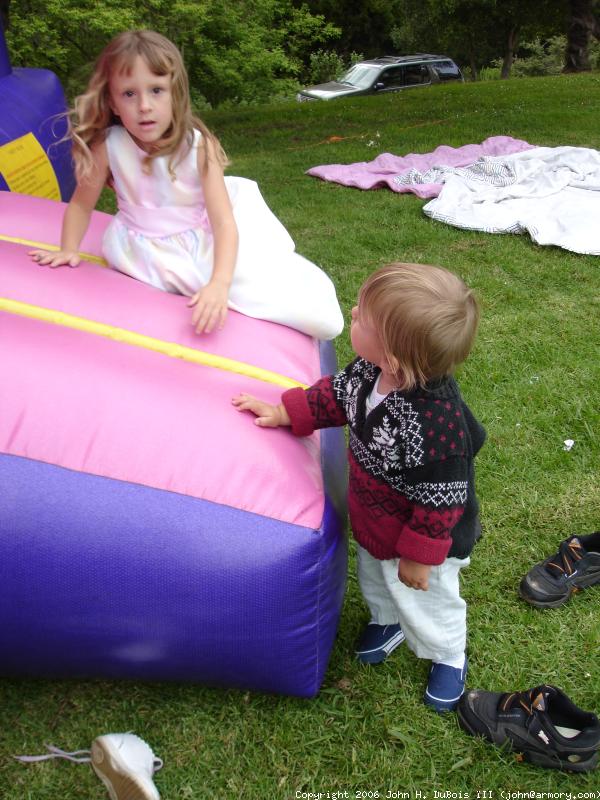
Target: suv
(386, 74)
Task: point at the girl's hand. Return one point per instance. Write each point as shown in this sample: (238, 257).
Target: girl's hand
(77, 214)
(267, 415)
(210, 306)
(68, 258)
(413, 574)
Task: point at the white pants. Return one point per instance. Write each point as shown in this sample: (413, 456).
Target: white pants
(434, 622)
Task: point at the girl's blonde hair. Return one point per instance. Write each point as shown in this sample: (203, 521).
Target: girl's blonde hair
(92, 114)
(425, 317)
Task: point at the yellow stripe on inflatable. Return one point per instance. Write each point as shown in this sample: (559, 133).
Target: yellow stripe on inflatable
(51, 248)
(170, 349)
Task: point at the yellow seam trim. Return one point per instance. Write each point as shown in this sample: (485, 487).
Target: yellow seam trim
(171, 349)
(51, 247)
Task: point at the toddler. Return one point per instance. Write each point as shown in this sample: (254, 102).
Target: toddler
(412, 443)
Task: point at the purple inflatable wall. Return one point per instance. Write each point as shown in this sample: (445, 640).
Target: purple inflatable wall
(148, 530)
(32, 161)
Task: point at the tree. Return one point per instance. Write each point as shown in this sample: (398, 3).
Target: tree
(238, 51)
(475, 32)
(4, 5)
(366, 27)
(582, 24)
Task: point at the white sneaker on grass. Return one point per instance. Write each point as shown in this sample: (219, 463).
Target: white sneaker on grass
(126, 765)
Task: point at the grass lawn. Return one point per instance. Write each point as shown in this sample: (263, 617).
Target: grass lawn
(533, 381)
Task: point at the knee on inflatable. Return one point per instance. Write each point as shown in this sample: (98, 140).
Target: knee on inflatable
(148, 530)
(33, 160)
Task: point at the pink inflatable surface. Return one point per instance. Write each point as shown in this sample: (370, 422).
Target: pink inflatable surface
(148, 529)
(101, 396)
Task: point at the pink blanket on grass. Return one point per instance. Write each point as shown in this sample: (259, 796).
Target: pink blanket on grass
(409, 173)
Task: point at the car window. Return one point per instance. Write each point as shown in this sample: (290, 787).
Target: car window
(392, 77)
(414, 74)
(447, 70)
(360, 75)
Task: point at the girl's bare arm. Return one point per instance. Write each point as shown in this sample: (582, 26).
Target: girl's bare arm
(77, 215)
(210, 303)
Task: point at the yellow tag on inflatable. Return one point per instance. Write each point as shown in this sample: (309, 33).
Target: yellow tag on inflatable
(27, 169)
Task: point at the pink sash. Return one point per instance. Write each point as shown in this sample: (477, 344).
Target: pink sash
(163, 221)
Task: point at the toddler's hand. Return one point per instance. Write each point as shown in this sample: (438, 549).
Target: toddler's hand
(267, 415)
(210, 307)
(413, 574)
(68, 258)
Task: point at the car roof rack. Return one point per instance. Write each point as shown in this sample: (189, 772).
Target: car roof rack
(404, 57)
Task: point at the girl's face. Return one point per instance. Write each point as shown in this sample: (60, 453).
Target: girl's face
(144, 103)
(365, 339)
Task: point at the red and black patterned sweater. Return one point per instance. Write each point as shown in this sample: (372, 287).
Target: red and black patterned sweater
(411, 484)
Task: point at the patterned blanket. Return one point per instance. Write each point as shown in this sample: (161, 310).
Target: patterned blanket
(502, 185)
(552, 193)
(416, 172)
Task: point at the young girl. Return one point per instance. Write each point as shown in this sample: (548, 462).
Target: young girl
(181, 226)
(412, 442)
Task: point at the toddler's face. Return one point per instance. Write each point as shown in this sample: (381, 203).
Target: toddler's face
(143, 102)
(365, 339)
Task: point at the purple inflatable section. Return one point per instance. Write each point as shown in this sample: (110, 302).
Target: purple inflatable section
(31, 101)
(104, 578)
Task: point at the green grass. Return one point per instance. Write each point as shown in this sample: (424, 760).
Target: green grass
(532, 379)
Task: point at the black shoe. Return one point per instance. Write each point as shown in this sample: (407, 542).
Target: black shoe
(576, 566)
(541, 723)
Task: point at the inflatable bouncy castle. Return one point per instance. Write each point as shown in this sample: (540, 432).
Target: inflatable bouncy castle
(149, 530)
(33, 159)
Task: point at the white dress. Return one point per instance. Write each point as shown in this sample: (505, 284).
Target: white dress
(161, 235)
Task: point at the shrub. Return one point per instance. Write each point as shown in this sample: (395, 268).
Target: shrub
(327, 65)
(541, 58)
(488, 73)
(324, 65)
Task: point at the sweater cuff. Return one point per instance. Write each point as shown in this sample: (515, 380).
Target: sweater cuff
(422, 549)
(296, 405)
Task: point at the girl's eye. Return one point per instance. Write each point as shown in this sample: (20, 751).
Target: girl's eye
(157, 90)
(128, 93)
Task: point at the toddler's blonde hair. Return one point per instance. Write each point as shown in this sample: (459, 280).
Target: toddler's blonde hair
(92, 114)
(426, 319)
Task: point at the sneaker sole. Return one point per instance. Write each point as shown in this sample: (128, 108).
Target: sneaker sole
(547, 603)
(119, 781)
(555, 603)
(538, 759)
(441, 706)
(578, 586)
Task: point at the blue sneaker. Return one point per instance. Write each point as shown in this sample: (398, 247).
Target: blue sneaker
(445, 687)
(377, 642)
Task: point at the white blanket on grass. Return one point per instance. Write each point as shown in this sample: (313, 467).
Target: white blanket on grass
(553, 193)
